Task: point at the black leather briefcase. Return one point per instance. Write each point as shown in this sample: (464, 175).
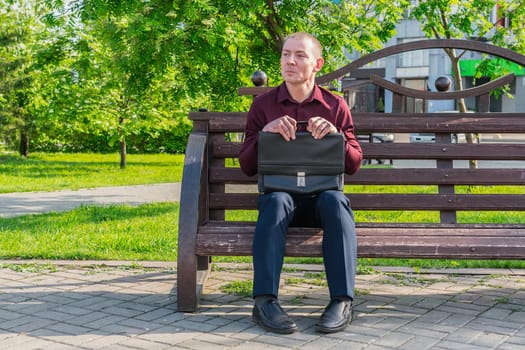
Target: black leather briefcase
(301, 166)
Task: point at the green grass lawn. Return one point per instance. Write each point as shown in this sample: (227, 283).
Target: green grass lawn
(149, 232)
(59, 171)
(116, 232)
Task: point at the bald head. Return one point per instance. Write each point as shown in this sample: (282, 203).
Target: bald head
(316, 45)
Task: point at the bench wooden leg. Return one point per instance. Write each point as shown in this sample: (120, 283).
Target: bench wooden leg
(192, 273)
(203, 263)
(187, 299)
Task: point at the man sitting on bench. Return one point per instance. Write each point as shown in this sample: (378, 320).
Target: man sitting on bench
(299, 98)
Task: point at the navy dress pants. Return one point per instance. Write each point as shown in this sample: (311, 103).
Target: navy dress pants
(329, 210)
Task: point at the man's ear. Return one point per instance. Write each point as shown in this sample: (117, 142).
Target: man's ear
(319, 62)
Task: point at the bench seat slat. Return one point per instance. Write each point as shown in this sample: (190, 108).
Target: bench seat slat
(421, 240)
(380, 228)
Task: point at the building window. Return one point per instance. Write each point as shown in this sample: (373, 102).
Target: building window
(417, 58)
(410, 104)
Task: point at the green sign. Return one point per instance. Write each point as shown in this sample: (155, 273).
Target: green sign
(468, 67)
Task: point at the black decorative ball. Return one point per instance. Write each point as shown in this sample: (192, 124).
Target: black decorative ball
(259, 78)
(443, 83)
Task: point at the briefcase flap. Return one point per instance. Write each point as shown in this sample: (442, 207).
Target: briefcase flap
(304, 154)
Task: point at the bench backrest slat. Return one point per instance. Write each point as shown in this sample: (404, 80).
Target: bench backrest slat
(387, 201)
(445, 151)
(461, 151)
(394, 122)
(379, 176)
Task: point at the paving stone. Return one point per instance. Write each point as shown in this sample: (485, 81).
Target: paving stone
(459, 346)
(105, 342)
(8, 316)
(425, 330)
(394, 339)
(456, 320)
(77, 340)
(101, 323)
(497, 313)
(490, 340)
(137, 343)
(495, 326)
(37, 344)
(169, 335)
(195, 326)
(517, 341)
(516, 317)
(463, 335)
(321, 344)
(29, 324)
(279, 340)
(17, 342)
(508, 346)
(419, 342)
(434, 316)
(139, 324)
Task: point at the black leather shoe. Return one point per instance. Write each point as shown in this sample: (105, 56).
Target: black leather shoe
(336, 316)
(269, 315)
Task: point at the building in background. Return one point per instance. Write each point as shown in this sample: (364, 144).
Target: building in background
(419, 70)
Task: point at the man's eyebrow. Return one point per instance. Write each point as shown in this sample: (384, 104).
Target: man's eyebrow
(298, 51)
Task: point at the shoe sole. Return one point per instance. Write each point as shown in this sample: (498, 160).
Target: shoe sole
(335, 329)
(331, 330)
(274, 330)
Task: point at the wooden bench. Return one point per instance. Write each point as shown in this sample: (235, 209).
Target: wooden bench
(424, 177)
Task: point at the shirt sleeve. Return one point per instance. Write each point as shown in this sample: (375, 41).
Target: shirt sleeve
(248, 152)
(353, 152)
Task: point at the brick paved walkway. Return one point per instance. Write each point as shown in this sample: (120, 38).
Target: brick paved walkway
(133, 307)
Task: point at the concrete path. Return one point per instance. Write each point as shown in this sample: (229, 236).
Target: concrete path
(24, 203)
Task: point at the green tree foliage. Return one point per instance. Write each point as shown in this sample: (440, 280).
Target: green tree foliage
(17, 76)
(125, 71)
(214, 46)
(473, 19)
(97, 101)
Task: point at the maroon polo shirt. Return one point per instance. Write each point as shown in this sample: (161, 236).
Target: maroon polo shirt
(278, 102)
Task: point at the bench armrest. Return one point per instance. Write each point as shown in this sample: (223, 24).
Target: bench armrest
(194, 179)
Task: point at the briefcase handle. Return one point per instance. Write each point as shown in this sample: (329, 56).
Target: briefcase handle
(302, 123)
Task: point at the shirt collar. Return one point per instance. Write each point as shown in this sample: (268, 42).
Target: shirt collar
(284, 95)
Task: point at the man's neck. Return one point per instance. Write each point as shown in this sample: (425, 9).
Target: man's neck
(300, 92)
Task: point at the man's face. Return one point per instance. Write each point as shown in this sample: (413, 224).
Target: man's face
(299, 62)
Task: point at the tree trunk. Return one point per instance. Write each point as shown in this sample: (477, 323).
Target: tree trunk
(122, 147)
(462, 107)
(122, 154)
(24, 144)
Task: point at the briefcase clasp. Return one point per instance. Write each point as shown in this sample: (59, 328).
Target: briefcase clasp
(301, 179)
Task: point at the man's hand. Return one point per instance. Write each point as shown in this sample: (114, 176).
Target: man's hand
(286, 126)
(320, 127)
